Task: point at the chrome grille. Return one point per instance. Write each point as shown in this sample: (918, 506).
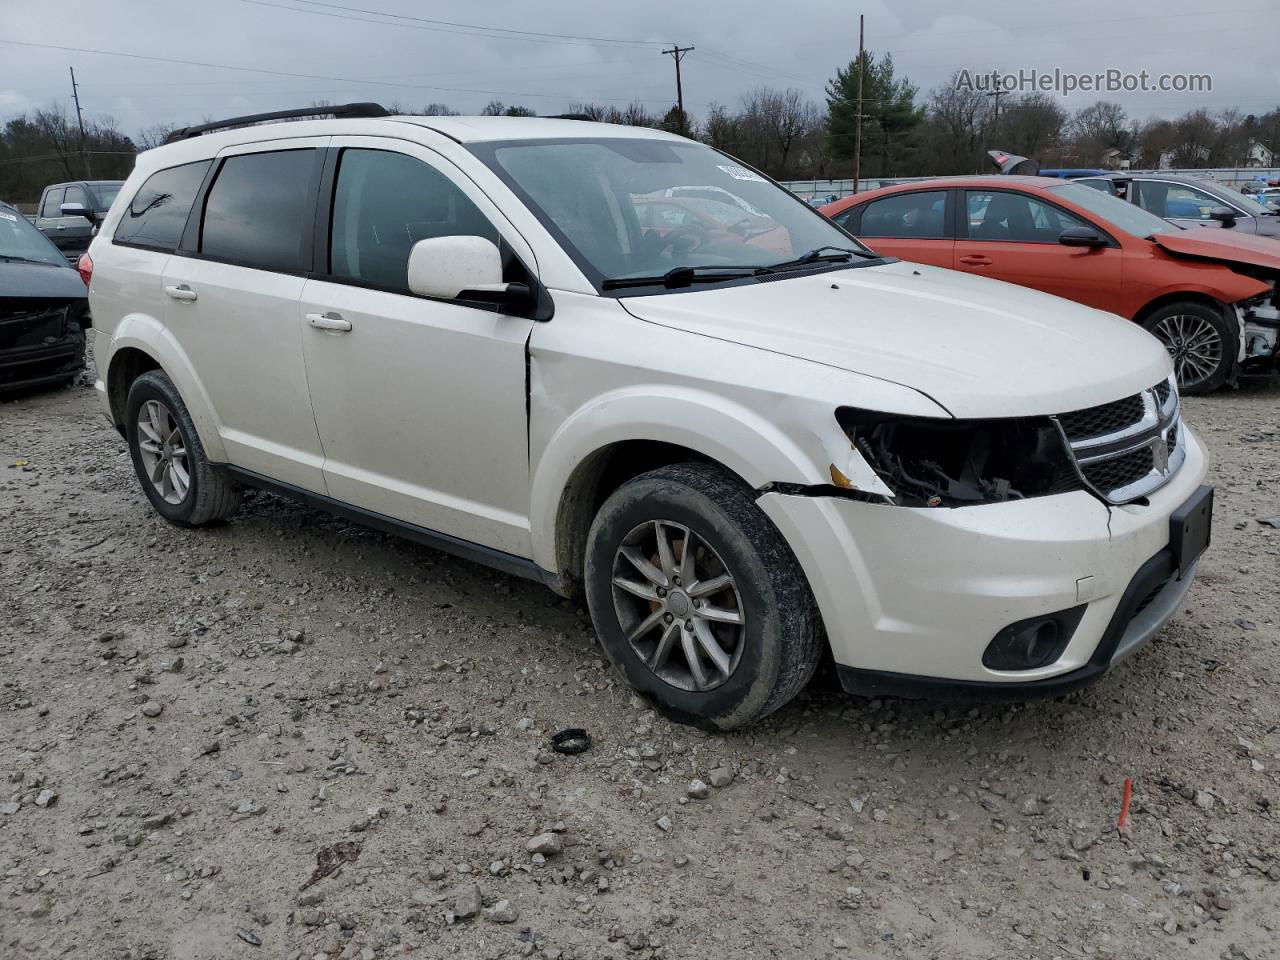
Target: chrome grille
(1129, 448)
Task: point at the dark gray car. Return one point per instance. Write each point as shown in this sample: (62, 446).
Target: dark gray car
(1191, 201)
(71, 231)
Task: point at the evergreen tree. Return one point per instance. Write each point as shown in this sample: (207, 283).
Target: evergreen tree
(889, 115)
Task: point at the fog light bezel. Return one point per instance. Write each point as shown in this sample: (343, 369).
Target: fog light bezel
(1014, 648)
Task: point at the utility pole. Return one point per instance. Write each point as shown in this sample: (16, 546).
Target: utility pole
(677, 52)
(75, 93)
(998, 92)
(857, 137)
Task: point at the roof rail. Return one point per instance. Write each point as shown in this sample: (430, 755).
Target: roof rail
(333, 110)
(569, 116)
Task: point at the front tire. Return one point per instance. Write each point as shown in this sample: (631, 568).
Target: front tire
(698, 600)
(1201, 341)
(168, 458)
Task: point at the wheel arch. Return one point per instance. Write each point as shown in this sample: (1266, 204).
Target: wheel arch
(141, 344)
(599, 448)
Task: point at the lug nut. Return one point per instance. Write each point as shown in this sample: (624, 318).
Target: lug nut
(668, 618)
(662, 591)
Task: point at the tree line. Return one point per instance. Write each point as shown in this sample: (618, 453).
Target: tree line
(783, 132)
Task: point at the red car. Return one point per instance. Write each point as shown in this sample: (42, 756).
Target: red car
(1208, 295)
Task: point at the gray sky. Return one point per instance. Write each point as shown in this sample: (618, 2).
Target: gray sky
(740, 45)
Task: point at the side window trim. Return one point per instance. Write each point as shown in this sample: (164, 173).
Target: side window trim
(190, 245)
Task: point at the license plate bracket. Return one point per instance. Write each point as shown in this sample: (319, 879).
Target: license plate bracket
(1190, 529)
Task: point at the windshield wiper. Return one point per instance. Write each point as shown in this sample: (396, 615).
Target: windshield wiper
(12, 258)
(683, 277)
(819, 255)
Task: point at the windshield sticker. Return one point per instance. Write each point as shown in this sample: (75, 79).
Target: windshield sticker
(8, 216)
(740, 173)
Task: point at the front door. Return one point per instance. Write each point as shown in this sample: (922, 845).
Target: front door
(420, 403)
(1014, 237)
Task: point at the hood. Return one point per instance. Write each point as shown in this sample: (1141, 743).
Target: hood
(30, 281)
(979, 347)
(1229, 246)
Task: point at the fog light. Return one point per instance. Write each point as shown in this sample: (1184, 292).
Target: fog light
(1035, 642)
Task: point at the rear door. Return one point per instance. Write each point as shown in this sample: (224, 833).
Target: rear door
(1014, 237)
(233, 293)
(49, 216)
(911, 226)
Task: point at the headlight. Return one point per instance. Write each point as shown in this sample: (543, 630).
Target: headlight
(957, 463)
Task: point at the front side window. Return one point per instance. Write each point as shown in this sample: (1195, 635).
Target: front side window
(258, 210)
(107, 193)
(52, 206)
(1175, 201)
(920, 215)
(383, 203)
(157, 214)
(1000, 216)
(637, 207)
(76, 194)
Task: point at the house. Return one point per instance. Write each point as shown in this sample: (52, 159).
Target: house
(1259, 155)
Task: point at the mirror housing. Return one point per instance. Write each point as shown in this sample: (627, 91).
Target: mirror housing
(446, 267)
(1224, 215)
(79, 210)
(1081, 237)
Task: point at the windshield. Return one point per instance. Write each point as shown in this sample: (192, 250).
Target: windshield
(644, 207)
(107, 195)
(1246, 203)
(1116, 212)
(19, 240)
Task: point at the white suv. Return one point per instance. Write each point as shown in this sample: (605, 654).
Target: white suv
(745, 437)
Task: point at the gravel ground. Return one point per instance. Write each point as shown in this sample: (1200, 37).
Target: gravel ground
(291, 737)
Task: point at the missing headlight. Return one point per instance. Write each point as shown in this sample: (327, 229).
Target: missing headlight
(956, 463)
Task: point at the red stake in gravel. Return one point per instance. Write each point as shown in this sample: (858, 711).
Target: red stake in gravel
(1124, 807)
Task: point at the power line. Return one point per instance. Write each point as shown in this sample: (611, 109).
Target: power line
(450, 26)
(305, 76)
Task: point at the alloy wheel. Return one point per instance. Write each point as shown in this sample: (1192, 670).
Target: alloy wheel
(678, 606)
(1194, 344)
(163, 452)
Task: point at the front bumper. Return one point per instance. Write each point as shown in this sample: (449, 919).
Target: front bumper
(27, 367)
(912, 597)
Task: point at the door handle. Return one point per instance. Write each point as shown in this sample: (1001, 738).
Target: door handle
(60, 227)
(329, 321)
(181, 292)
(976, 261)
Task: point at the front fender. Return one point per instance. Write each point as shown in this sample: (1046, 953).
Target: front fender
(145, 333)
(754, 447)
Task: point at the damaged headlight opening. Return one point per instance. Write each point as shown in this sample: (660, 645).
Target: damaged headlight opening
(956, 463)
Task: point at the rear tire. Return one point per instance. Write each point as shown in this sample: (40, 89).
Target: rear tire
(168, 458)
(721, 637)
(1201, 340)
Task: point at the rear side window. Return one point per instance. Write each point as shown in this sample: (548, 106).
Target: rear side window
(158, 212)
(920, 215)
(52, 206)
(258, 210)
(382, 205)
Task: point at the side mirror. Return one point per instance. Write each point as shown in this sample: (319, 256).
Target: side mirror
(448, 267)
(1081, 237)
(1224, 215)
(79, 210)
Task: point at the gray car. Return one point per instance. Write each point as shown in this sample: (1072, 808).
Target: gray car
(1191, 201)
(69, 212)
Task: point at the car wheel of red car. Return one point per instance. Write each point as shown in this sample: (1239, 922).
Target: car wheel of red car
(1201, 342)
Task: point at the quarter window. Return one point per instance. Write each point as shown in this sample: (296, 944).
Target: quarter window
(1015, 218)
(258, 209)
(158, 212)
(919, 215)
(386, 202)
(52, 206)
